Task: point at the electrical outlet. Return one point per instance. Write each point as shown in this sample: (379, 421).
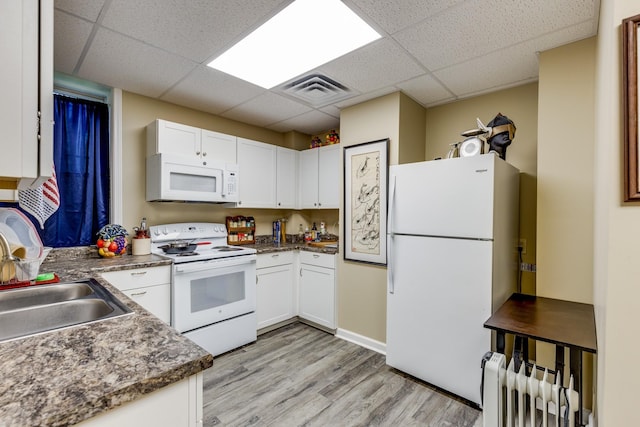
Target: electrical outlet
(523, 244)
(528, 267)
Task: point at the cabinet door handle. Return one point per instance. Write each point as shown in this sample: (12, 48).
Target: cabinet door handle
(316, 256)
(204, 154)
(300, 271)
(275, 255)
(197, 153)
(138, 273)
(137, 294)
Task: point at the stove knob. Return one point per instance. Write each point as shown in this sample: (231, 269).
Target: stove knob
(156, 232)
(165, 231)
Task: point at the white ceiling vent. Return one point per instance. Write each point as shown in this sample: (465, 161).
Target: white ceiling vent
(317, 90)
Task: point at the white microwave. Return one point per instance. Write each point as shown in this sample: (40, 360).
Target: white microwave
(175, 178)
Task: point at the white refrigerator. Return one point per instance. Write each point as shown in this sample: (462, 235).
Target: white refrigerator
(452, 261)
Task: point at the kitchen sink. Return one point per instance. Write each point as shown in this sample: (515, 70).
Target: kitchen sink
(33, 310)
(39, 295)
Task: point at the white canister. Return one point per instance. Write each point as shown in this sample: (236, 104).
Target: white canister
(140, 246)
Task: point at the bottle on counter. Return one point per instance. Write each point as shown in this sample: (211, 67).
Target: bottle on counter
(276, 232)
(314, 232)
(283, 230)
(307, 234)
(323, 229)
(301, 232)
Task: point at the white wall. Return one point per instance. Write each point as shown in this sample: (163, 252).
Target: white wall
(617, 235)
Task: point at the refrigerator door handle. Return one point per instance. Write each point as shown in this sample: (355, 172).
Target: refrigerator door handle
(390, 285)
(392, 194)
(392, 202)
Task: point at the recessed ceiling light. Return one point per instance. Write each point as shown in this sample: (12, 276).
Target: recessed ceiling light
(303, 36)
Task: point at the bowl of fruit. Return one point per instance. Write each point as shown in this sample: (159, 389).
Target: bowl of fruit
(112, 240)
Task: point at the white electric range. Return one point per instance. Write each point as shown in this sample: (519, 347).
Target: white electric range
(213, 286)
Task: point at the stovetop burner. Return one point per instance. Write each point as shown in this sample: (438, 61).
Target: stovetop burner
(206, 241)
(192, 253)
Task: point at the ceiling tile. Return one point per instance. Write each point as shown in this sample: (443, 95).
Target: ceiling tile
(331, 110)
(394, 16)
(507, 67)
(379, 64)
(491, 72)
(84, 9)
(68, 44)
(310, 123)
(367, 97)
(266, 109)
(118, 61)
(432, 50)
(195, 29)
(425, 90)
(210, 90)
(461, 33)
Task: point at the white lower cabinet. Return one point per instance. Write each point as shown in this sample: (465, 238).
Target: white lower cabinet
(176, 405)
(275, 290)
(317, 288)
(150, 287)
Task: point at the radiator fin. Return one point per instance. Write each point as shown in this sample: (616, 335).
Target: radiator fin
(517, 399)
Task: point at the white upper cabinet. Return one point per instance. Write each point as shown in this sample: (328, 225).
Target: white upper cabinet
(26, 84)
(175, 138)
(320, 177)
(329, 176)
(268, 175)
(218, 146)
(308, 182)
(257, 174)
(286, 178)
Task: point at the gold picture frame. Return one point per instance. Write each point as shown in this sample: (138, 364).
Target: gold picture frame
(630, 31)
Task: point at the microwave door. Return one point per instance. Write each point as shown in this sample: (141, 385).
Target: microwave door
(192, 184)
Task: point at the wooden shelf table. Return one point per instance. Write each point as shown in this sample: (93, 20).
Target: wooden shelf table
(563, 323)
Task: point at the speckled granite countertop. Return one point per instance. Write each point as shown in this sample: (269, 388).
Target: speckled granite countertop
(264, 245)
(265, 248)
(63, 377)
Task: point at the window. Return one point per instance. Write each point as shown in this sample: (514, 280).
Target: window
(81, 158)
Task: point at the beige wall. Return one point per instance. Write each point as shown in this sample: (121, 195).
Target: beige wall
(565, 172)
(361, 293)
(445, 123)
(565, 182)
(138, 111)
(412, 131)
(617, 235)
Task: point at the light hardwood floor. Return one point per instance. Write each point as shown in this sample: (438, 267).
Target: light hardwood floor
(300, 376)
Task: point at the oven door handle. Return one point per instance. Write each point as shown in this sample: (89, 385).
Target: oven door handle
(214, 263)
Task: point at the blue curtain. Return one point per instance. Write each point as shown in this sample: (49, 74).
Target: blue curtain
(81, 158)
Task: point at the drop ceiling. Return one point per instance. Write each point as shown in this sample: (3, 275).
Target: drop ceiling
(435, 51)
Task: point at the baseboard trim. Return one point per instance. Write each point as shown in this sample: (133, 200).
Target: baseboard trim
(362, 341)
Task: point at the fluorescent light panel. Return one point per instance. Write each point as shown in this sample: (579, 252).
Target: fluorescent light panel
(303, 36)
